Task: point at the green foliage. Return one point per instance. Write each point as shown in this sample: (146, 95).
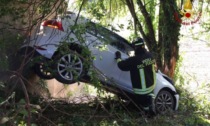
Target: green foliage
(9, 44)
(178, 78)
(104, 113)
(193, 101)
(151, 7)
(18, 17)
(105, 9)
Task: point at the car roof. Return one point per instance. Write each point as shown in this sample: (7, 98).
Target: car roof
(68, 13)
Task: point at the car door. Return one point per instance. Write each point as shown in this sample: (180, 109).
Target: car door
(105, 62)
(117, 43)
(99, 40)
(124, 81)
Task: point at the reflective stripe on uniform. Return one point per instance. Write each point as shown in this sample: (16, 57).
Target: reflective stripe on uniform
(144, 91)
(152, 95)
(142, 77)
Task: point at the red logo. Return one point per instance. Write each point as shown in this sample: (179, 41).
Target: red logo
(189, 14)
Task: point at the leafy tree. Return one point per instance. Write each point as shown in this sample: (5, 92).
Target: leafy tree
(18, 18)
(155, 27)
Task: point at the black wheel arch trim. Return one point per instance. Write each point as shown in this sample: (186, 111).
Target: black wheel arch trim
(73, 46)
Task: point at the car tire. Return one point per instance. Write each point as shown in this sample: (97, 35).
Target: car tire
(164, 102)
(43, 71)
(69, 67)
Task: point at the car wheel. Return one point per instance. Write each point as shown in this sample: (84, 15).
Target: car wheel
(164, 102)
(43, 71)
(69, 68)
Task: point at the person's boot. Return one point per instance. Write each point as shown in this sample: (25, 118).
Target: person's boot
(152, 110)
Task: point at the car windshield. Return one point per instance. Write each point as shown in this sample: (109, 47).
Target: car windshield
(109, 37)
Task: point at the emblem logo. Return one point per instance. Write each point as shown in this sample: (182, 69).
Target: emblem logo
(190, 12)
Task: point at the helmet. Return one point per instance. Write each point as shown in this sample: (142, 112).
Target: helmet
(138, 42)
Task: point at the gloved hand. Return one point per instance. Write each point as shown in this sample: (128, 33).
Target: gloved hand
(117, 55)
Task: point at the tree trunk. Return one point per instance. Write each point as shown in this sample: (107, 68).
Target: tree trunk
(166, 48)
(169, 28)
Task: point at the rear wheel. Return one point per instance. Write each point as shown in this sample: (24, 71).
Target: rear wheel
(69, 67)
(164, 102)
(71, 63)
(43, 70)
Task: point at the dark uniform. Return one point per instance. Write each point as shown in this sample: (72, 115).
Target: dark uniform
(142, 72)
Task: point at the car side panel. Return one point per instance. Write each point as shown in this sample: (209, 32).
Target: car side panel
(124, 77)
(105, 62)
(161, 83)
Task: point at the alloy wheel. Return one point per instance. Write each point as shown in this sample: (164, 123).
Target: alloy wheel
(164, 102)
(69, 67)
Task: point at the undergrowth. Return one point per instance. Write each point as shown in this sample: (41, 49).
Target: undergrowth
(106, 110)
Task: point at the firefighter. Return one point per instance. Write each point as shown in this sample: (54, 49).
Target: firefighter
(143, 74)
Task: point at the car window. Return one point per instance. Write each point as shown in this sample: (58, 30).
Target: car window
(109, 37)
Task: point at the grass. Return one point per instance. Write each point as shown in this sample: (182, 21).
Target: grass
(108, 112)
(194, 110)
(114, 113)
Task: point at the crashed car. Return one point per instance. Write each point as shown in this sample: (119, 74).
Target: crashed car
(79, 33)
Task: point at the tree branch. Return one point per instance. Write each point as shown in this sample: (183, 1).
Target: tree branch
(136, 21)
(150, 37)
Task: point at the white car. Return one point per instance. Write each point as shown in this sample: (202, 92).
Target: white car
(77, 34)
